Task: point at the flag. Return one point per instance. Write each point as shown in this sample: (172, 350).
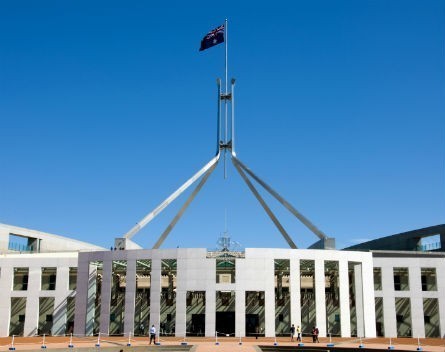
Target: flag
(214, 37)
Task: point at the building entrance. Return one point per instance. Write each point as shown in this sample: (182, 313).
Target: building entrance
(225, 323)
(252, 325)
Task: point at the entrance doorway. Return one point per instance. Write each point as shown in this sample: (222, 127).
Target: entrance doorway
(225, 323)
(252, 325)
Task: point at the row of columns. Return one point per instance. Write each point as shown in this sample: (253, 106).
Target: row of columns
(363, 288)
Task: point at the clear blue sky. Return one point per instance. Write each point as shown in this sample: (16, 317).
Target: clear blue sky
(107, 107)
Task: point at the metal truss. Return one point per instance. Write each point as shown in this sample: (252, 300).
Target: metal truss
(225, 142)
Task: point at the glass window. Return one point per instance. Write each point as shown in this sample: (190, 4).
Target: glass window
(49, 279)
(377, 279)
(72, 279)
(21, 276)
(428, 277)
(401, 279)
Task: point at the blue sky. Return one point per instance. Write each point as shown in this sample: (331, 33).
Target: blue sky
(107, 107)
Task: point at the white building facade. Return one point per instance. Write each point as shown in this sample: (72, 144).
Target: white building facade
(184, 292)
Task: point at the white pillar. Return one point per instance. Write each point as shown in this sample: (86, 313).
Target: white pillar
(295, 293)
(240, 313)
(389, 304)
(32, 301)
(345, 314)
(130, 296)
(415, 286)
(210, 312)
(368, 298)
(440, 275)
(105, 298)
(155, 294)
(6, 282)
(320, 296)
(269, 298)
(181, 313)
(60, 300)
(359, 307)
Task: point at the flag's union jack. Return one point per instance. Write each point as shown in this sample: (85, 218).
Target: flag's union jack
(214, 37)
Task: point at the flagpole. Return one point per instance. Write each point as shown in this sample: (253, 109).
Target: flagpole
(226, 39)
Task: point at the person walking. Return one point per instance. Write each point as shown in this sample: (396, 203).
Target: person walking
(298, 333)
(153, 334)
(316, 332)
(292, 332)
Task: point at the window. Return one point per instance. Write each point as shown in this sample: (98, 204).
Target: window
(428, 277)
(72, 279)
(401, 279)
(225, 270)
(21, 279)
(377, 279)
(48, 282)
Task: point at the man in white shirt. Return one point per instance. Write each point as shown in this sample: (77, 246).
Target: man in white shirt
(153, 334)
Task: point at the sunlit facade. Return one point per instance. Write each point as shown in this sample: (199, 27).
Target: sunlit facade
(54, 285)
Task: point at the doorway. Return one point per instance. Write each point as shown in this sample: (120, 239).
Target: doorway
(225, 323)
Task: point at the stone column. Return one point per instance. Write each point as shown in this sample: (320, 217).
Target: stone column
(32, 301)
(130, 297)
(240, 313)
(181, 313)
(105, 298)
(295, 294)
(389, 304)
(320, 296)
(60, 300)
(211, 312)
(345, 314)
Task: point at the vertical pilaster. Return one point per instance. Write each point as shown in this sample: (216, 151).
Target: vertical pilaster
(269, 298)
(181, 313)
(6, 280)
(32, 301)
(59, 315)
(389, 304)
(107, 281)
(416, 298)
(358, 279)
(240, 313)
(440, 273)
(155, 294)
(345, 314)
(85, 296)
(130, 296)
(320, 297)
(211, 312)
(295, 292)
(367, 292)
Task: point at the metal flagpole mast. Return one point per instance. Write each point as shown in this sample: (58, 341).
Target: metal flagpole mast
(225, 93)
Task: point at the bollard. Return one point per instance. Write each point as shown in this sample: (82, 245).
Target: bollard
(12, 348)
(330, 344)
(184, 343)
(43, 342)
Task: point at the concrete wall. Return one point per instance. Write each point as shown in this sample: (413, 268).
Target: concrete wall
(414, 263)
(35, 263)
(48, 242)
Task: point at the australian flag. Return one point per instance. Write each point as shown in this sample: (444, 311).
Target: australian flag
(214, 37)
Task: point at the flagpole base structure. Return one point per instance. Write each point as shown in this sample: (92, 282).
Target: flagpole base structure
(330, 344)
(301, 344)
(275, 343)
